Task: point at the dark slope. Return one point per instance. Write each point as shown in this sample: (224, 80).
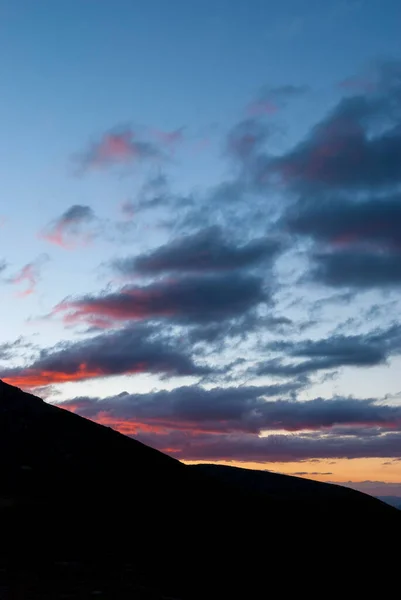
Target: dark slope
(82, 506)
(311, 495)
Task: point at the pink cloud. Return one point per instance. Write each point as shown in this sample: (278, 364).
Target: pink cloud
(68, 230)
(119, 147)
(29, 275)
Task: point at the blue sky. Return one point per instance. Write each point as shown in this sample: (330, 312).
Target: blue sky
(215, 109)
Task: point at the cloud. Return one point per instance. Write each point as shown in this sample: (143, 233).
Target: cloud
(170, 139)
(272, 99)
(3, 266)
(30, 275)
(340, 155)
(356, 147)
(206, 250)
(220, 333)
(244, 409)
(136, 349)
(357, 244)
(246, 140)
(128, 209)
(374, 223)
(9, 350)
(357, 270)
(364, 350)
(68, 231)
(184, 300)
(302, 473)
(271, 448)
(118, 147)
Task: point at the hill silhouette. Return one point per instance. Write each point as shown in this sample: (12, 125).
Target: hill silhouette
(86, 509)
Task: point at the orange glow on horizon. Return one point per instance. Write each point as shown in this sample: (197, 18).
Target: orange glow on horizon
(338, 469)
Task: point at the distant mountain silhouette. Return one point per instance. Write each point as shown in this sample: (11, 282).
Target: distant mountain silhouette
(392, 500)
(86, 509)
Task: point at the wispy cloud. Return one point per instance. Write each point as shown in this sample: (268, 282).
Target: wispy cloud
(169, 139)
(122, 147)
(9, 350)
(29, 275)
(68, 231)
(204, 251)
(127, 209)
(3, 265)
(272, 99)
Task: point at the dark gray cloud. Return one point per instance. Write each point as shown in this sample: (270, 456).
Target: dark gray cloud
(362, 240)
(343, 222)
(357, 270)
(347, 174)
(77, 212)
(243, 409)
(188, 299)
(205, 250)
(357, 146)
(363, 350)
(272, 448)
(136, 349)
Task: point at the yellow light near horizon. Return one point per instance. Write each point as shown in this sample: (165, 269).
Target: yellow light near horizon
(339, 470)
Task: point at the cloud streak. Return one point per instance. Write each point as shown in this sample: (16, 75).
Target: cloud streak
(128, 351)
(190, 300)
(204, 251)
(363, 350)
(272, 448)
(336, 351)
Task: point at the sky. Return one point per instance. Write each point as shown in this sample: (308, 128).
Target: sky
(200, 226)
